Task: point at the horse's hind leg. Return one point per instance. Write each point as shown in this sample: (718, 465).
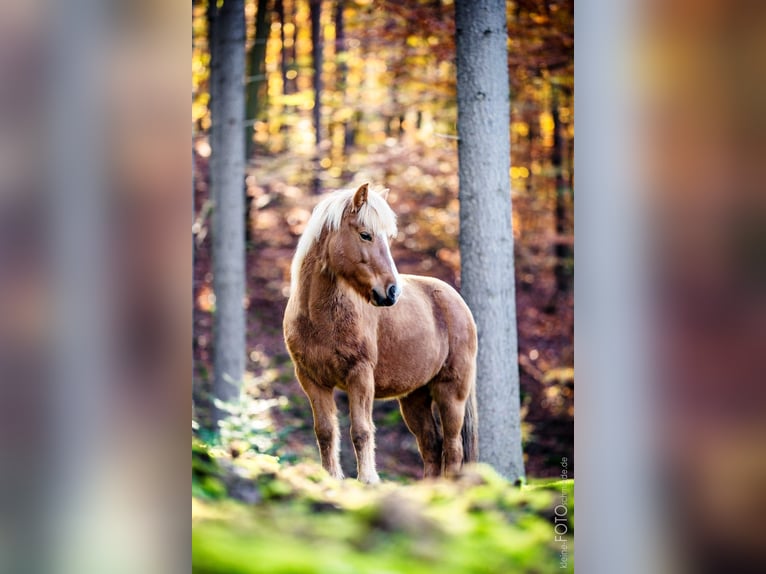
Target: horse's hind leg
(416, 411)
(325, 424)
(450, 398)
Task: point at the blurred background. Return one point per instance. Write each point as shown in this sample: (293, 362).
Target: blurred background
(702, 113)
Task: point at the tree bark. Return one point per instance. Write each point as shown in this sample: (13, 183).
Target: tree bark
(486, 238)
(228, 173)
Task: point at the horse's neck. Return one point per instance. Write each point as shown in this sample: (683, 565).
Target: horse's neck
(322, 295)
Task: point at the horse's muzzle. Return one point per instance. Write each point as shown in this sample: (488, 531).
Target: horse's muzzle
(392, 294)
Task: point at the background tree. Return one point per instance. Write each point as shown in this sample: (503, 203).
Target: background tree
(486, 238)
(317, 57)
(317, 45)
(256, 80)
(227, 178)
(279, 8)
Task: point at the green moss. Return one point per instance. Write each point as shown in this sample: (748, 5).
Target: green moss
(307, 523)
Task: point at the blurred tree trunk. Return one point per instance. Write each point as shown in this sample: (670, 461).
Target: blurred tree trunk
(315, 12)
(227, 175)
(294, 44)
(206, 392)
(316, 57)
(257, 72)
(279, 8)
(213, 82)
(486, 238)
(562, 250)
(341, 55)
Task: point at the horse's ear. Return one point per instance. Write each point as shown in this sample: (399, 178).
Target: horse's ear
(384, 193)
(360, 197)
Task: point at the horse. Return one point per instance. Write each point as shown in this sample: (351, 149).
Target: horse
(353, 322)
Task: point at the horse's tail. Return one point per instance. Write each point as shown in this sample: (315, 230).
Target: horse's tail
(470, 432)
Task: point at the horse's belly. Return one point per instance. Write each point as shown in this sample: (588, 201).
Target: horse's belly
(395, 380)
(409, 359)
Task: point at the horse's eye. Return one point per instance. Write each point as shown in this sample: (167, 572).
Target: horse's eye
(366, 236)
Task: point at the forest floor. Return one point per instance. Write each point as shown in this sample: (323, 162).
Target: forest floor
(424, 195)
(254, 515)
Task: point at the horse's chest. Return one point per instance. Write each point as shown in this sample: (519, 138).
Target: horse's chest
(327, 355)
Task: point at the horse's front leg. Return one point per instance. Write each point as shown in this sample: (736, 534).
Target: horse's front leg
(325, 424)
(361, 393)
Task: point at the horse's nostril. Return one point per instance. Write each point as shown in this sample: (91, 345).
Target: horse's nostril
(378, 299)
(393, 292)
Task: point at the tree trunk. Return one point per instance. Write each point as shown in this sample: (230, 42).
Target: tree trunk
(561, 250)
(228, 222)
(279, 8)
(58, 401)
(316, 57)
(257, 71)
(340, 54)
(315, 12)
(486, 238)
(213, 82)
(294, 45)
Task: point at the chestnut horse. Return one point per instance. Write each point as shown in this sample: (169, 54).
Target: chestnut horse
(354, 323)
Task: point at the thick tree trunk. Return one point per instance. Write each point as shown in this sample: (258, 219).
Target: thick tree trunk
(228, 222)
(486, 238)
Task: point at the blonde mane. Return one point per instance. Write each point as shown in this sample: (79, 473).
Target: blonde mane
(376, 215)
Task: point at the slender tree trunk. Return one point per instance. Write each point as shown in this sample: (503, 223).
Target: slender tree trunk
(561, 249)
(341, 55)
(207, 412)
(257, 71)
(279, 8)
(316, 56)
(228, 221)
(213, 82)
(294, 45)
(532, 119)
(486, 238)
(317, 42)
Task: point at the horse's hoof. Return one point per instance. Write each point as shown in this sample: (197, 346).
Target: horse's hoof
(374, 479)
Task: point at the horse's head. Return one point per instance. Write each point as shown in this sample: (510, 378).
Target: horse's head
(358, 250)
